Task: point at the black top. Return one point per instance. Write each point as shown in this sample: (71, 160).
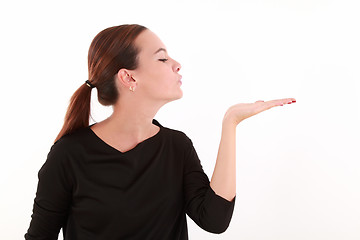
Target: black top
(94, 191)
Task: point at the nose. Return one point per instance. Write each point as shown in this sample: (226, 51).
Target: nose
(177, 66)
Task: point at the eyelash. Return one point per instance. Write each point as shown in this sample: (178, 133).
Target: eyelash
(163, 59)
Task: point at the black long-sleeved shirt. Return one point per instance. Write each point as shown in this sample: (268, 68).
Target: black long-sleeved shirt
(94, 191)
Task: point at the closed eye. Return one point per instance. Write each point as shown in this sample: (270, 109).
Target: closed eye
(163, 59)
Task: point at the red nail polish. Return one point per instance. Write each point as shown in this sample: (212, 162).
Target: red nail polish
(294, 101)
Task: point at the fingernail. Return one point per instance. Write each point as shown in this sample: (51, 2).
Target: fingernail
(294, 101)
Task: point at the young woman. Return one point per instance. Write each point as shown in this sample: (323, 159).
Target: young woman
(129, 177)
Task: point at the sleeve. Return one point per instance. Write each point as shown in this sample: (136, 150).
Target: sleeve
(208, 210)
(52, 198)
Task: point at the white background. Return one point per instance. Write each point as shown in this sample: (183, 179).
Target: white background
(298, 169)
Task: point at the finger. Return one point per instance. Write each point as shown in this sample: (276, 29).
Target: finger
(281, 102)
(290, 100)
(263, 106)
(293, 100)
(278, 102)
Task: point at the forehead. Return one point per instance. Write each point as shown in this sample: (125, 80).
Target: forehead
(148, 42)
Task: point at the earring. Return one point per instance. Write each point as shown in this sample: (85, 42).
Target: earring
(132, 88)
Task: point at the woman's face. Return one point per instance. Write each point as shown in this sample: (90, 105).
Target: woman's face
(157, 76)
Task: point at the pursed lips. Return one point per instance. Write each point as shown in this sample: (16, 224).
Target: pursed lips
(180, 79)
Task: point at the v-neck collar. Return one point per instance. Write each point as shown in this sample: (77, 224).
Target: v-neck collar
(137, 146)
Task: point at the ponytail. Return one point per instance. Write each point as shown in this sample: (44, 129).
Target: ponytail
(78, 112)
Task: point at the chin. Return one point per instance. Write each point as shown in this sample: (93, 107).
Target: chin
(177, 97)
(174, 95)
(180, 95)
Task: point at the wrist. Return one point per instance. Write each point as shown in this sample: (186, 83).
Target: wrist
(229, 122)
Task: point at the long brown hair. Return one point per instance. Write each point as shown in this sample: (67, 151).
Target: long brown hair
(111, 50)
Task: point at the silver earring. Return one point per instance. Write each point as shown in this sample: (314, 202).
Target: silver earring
(132, 88)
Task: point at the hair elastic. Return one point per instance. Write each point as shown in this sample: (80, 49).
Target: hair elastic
(89, 84)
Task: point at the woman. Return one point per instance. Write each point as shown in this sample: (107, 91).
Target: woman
(129, 177)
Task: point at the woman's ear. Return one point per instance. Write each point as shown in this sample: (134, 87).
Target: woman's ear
(125, 79)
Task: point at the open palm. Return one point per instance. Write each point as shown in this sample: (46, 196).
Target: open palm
(241, 111)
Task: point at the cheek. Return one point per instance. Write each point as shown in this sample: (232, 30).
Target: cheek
(159, 73)
(154, 83)
(151, 71)
(156, 77)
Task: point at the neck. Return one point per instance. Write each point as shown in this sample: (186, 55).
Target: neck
(133, 118)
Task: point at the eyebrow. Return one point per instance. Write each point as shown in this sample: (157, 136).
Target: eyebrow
(159, 50)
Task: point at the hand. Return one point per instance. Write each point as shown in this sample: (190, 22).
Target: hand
(239, 112)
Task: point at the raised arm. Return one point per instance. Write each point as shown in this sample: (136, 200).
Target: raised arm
(223, 180)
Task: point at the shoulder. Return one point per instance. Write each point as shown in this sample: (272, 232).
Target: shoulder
(176, 136)
(70, 143)
(60, 159)
(64, 153)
